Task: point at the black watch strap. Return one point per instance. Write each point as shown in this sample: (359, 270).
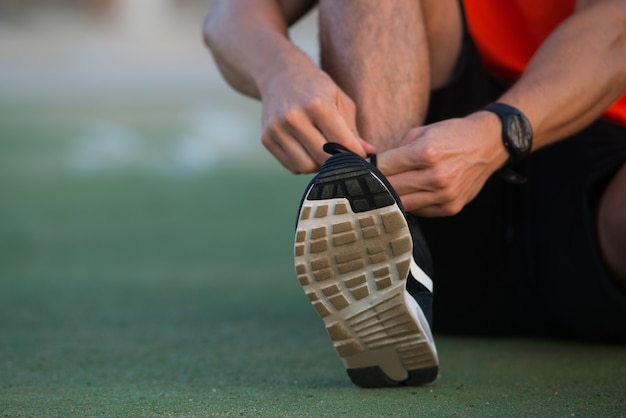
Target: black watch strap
(505, 113)
(506, 173)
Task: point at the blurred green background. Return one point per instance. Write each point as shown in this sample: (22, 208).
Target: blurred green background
(146, 245)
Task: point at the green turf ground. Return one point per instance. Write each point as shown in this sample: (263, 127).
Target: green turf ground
(142, 292)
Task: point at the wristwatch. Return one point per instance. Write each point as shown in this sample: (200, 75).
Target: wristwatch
(517, 137)
(517, 134)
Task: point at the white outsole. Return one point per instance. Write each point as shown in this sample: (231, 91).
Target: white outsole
(353, 268)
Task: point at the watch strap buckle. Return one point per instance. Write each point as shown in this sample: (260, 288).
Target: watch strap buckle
(509, 175)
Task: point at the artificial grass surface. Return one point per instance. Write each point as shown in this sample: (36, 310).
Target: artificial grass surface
(141, 293)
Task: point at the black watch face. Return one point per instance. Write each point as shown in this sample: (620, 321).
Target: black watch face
(520, 134)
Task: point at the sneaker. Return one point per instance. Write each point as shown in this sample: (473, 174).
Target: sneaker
(354, 259)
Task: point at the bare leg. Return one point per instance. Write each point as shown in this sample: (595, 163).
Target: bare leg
(612, 225)
(387, 56)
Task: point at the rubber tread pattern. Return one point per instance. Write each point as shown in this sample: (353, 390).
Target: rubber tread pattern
(346, 175)
(353, 250)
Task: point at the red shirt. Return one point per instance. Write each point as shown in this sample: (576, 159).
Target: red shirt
(507, 34)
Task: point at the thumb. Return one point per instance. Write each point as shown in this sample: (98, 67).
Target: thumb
(394, 161)
(367, 147)
(400, 159)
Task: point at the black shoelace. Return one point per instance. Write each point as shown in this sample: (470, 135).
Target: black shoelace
(333, 148)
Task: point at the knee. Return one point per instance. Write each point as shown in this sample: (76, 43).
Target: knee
(612, 224)
(612, 208)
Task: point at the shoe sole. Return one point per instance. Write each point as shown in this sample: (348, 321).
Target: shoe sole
(353, 251)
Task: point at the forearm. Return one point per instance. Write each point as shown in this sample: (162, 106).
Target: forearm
(576, 74)
(249, 40)
(377, 52)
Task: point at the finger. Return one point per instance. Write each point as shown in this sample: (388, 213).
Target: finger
(289, 152)
(412, 181)
(433, 211)
(430, 204)
(422, 205)
(280, 155)
(419, 200)
(405, 156)
(300, 125)
(275, 149)
(367, 147)
(396, 161)
(417, 191)
(310, 139)
(339, 126)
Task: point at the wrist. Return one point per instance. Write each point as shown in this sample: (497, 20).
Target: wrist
(489, 128)
(290, 63)
(517, 133)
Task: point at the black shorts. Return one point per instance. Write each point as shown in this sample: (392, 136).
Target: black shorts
(525, 259)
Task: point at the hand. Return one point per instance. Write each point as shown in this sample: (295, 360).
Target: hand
(303, 109)
(439, 168)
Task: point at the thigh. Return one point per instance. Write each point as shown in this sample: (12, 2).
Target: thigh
(559, 265)
(526, 259)
(469, 88)
(443, 20)
(471, 257)
(470, 250)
